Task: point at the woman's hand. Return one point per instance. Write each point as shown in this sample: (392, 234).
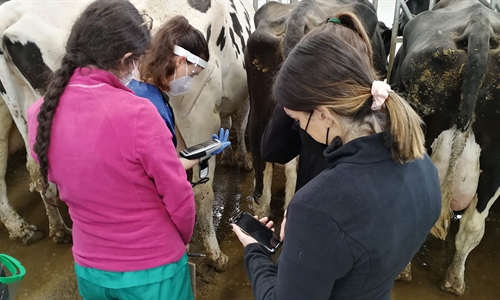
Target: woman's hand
(246, 239)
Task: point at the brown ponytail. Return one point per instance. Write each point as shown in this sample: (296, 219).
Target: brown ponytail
(405, 129)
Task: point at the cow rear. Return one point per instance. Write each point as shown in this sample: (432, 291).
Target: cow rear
(449, 70)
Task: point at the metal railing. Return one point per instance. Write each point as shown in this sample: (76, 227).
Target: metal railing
(400, 5)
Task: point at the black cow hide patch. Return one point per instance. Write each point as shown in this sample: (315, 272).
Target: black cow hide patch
(2, 89)
(28, 59)
(200, 5)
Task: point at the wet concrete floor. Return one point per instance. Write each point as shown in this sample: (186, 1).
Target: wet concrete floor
(50, 267)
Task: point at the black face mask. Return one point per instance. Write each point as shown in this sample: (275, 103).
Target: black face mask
(307, 125)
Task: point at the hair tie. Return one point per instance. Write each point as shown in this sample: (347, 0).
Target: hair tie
(380, 93)
(333, 20)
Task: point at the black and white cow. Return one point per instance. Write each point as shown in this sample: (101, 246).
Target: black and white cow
(33, 36)
(448, 67)
(279, 27)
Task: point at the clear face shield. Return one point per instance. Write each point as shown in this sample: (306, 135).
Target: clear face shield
(189, 99)
(185, 102)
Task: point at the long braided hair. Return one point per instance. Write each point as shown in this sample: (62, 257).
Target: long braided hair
(100, 37)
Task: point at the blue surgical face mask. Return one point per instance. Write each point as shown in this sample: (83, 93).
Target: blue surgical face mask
(181, 85)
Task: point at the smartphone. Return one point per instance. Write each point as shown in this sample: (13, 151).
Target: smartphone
(254, 228)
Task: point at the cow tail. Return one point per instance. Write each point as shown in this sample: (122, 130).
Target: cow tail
(295, 27)
(477, 37)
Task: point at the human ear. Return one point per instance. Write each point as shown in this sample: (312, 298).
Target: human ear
(123, 61)
(180, 60)
(325, 116)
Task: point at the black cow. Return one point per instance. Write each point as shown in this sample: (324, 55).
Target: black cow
(449, 66)
(279, 27)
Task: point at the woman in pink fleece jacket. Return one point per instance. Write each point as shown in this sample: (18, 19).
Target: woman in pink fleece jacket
(114, 163)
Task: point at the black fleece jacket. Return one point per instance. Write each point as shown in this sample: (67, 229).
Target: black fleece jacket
(353, 228)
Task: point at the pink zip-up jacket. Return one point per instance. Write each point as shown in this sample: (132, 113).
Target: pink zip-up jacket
(116, 168)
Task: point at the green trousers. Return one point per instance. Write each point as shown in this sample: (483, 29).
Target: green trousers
(166, 282)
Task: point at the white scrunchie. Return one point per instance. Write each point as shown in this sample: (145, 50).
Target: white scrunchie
(380, 93)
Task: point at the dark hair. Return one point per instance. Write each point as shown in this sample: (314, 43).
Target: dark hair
(332, 67)
(101, 36)
(158, 64)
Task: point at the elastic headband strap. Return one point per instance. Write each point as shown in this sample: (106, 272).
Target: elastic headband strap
(190, 56)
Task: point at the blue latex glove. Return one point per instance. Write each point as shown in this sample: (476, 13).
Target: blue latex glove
(224, 138)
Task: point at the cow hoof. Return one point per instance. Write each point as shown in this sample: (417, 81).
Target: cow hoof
(456, 287)
(61, 236)
(32, 236)
(219, 263)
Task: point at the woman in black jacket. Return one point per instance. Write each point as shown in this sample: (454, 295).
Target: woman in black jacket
(353, 228)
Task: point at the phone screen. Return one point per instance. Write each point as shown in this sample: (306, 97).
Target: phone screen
(258, 231)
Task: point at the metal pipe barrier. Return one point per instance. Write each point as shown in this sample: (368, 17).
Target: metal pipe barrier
(394, 36)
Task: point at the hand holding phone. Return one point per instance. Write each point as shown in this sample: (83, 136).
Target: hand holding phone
(250, 230)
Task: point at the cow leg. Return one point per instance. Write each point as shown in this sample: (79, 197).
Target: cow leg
(471, 229)
(262, 205)
(240, 121)
(58, 230)
(291, 180)
(16, 226)
(472, 223)
(468, 237)
(405, 275)
(238, 124)
(204, 197)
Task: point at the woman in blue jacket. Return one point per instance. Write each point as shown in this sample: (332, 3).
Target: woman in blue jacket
(178, 53)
